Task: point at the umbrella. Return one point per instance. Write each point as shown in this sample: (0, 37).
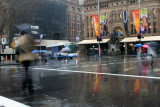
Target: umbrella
(145, 46)
(138, 45)
(154, 45)
(25, 27)
(96, 48)
(43, 51)
(35, 51)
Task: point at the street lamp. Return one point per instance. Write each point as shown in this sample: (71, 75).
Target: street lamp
(41, 36)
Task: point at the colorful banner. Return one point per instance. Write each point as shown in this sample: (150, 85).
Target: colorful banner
(96, 24)
(143, 13)
(135, 14)
(103, 22)
(125, 22)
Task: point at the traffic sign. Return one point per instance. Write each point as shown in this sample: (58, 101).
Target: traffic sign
(4, 41)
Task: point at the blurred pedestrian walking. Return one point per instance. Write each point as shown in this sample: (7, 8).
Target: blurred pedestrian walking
(24, 50)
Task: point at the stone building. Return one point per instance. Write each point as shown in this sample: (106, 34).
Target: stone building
(75, 26)
(114, 11)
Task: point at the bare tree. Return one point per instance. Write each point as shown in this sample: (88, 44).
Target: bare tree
(10, 9)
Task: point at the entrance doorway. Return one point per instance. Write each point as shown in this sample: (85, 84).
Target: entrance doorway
(119, 30)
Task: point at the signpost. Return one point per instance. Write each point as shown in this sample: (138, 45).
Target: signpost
(13, 44)
(4, 41)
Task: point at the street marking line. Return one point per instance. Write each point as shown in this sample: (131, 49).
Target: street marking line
(6, 102)
(108, 74)
(85, 66)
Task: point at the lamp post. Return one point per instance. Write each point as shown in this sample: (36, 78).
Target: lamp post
(99, 46)
(41, 36)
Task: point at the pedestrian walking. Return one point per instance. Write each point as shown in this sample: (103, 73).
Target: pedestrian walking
(139, 53)
(24, 50)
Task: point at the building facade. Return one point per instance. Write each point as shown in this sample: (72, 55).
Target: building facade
(75, 26)
(114, 11)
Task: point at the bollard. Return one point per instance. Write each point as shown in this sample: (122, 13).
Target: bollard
(6, 57)
(11, 57)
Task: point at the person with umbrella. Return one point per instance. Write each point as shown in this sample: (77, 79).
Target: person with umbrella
(25, 46)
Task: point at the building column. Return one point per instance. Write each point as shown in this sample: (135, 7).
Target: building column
(85, 27)
(151, 22)
(126, 48)
(158, 22)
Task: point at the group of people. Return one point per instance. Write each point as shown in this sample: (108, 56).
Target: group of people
(145, 52)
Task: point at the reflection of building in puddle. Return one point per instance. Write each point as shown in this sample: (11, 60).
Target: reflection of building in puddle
(141, 84)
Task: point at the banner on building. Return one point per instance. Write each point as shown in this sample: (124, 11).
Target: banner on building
(125, 22)
(96, 24)
(103, 23)
(143, 20)
(135, 14)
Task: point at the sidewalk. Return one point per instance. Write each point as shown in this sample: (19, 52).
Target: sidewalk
(5, 63)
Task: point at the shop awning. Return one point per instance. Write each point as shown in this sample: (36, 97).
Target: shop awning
(92, 41)
(145, 39)
(50, 43)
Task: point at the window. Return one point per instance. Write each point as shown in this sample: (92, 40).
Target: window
(113, 16)
(73, 17)
(121, 2)
(121, 15)
(134, 1)
(72, 25)
(154, 27)
(78, 10)
(90, 7)
(72, 9)
(92, 31)
(116, 3)
(88, 33)
(149, 28)
(72, 33)
(132, 29)
(87, 21)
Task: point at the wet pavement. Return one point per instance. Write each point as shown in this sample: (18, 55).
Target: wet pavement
(82, 82)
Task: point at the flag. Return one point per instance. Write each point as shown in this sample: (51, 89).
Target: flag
(96, 24)
(135, 14)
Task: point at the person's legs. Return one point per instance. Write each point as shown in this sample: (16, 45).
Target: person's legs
(26, 64)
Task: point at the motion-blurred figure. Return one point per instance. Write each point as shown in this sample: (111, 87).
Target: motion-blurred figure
(139, 53)
(24, 50)
(28, 83)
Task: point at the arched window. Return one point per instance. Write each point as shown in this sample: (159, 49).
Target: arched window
(154, 13)
(72, 9)
(78, 10)
(121, 15)
(113, 16)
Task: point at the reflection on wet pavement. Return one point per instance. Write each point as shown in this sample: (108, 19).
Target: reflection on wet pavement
(75, 89)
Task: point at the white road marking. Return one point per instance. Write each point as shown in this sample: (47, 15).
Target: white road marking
(85, 66)
(94, 65)
(6, 102)
(108, 74)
